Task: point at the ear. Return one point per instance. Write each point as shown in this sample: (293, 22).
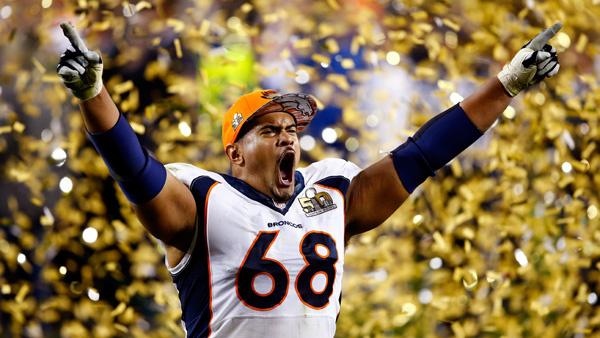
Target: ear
(234, 154)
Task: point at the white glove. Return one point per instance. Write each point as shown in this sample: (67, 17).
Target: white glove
(534, 62)
(80, 68)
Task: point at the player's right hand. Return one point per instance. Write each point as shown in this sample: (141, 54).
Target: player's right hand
(534, 62)
(80, 68)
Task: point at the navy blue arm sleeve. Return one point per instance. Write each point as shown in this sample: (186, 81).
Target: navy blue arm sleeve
(437, 142)
(140, 176)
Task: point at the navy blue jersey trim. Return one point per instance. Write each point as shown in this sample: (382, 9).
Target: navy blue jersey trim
(193, 282)
(258, 196)
(199, 187)
(340, 183)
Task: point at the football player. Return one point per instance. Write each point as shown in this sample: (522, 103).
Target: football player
(260, 252)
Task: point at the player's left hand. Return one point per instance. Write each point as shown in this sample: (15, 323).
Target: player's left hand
(534, 62)
(79, 67)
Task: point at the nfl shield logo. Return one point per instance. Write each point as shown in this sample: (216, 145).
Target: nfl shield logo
(237, 119)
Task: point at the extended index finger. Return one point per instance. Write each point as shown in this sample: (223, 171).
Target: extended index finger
(541, 39)
(71, 33)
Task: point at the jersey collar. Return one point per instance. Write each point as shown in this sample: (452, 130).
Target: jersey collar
(259, 197)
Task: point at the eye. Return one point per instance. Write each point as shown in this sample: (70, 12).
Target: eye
(292, 130)
(267, 131)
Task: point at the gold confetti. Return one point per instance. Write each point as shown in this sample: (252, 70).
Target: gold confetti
(445, 85)
(142, 5)
(302, 43)
(18, 127)
(333, 4)
(470, 279)
(444, 264)
(451, 40)
(339, 80)
(176, 24)
(419, 15)
(137, 127)
(246, 7)
(320, 58)
(23, 290)
(178, 51)
(38, 65)
(357, 42)
(204, 27)
(118, 310)
(332, 46)
(347, 63)
(123, 87)
(121, 328)
(440, 242)
(581, 43)
(397, 35)
(587, 152)
(101, 25)
(451, 24)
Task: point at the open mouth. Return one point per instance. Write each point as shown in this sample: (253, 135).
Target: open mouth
(286, 168)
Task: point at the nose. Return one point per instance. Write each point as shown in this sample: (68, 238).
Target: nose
(285, 139)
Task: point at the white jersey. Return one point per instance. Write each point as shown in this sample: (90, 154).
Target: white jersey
(256, 269)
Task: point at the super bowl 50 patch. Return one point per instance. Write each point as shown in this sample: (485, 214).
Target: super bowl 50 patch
(315, 203)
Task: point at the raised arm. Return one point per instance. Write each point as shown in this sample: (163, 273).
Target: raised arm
(163, 204)
(376, 192)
